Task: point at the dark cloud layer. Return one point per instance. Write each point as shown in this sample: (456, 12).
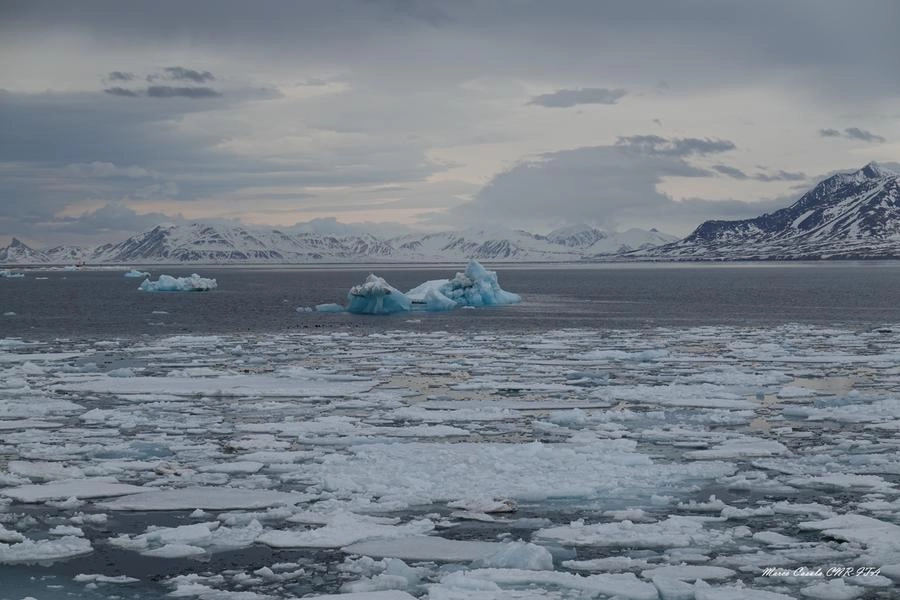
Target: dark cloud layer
(654, 145)
(853, 133)
(569, 98)
(779, 175)
(395, 82)
(167, 91)
(188, 74)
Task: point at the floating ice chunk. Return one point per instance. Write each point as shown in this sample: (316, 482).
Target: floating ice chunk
(739, 448)
(344, 529)
(63, 530)
(7, 274)
(380, 595)
(835, 589)
(519, 555)
(625, 585)
(376, 297)
(167, 283)
(674, 532)
(136, 273)
(7, 536)
(688, 572)
(703, 591)
(208, 498)
(208, 537)
(476, 286)
(486, 505)
(426, 548)
(870, 532)
(673, 589)
(175, 551)
(41, 551)
(43, 471)
(329, 307)
(396, 575)
(94, 487)
(98, 578)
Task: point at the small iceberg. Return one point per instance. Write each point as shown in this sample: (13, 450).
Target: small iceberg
(7, 274)
(476, 286)
(377, 297)
(167, 283)
(136, 273)
(329, 307)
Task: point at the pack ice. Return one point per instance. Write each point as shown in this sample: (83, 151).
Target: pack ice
(568, 464)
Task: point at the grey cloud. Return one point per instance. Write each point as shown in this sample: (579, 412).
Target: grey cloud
(779, 175)
(119, 76)
(853, 133)
(569, 98)
(109, 218)
(732, 172)
(609, 186)
(105, 170)
(654, 145)
(856, 133)
(120, 91)
(167, 91)
(181, 73)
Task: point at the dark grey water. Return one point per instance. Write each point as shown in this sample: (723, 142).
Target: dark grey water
(104, 303)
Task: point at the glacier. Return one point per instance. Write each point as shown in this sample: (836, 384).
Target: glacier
(167, 283)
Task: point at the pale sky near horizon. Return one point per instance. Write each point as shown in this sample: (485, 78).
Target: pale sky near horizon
(651, 113)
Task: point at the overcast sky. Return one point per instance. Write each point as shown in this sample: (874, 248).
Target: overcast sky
(116, 115)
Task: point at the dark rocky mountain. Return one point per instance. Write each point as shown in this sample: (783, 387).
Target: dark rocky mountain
(847, 216)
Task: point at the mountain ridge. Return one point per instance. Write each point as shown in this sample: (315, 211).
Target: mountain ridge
(850, 215)
(233, 244)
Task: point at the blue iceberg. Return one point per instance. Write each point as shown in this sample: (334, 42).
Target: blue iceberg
(136, 273)
(167, 283)
(7, 274)
(476, 286)
(377, 297)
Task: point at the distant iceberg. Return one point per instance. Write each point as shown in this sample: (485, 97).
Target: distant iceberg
(475, 287)
(167, 283)
(377, 297)
(136, 273)
(7, 274)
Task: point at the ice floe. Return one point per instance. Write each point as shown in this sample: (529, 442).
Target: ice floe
(167, 283)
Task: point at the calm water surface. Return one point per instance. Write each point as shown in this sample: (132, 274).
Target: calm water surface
(104, 303)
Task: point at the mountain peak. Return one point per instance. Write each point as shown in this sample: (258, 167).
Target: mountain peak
(873, 170)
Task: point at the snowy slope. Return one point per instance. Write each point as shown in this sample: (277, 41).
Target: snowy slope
(848, 215)
(214, 243)
(19, 253)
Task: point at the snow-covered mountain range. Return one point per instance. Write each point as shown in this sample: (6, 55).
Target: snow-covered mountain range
(214, 243)
(853, 215)
(847, 216)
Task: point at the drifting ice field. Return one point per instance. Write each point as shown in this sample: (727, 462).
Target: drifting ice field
(643, 464)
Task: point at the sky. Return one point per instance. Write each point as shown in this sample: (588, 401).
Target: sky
(396, 114)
